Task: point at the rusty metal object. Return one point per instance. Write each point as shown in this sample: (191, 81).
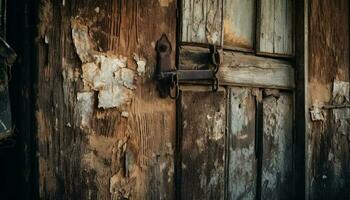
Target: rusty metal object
(169, 77)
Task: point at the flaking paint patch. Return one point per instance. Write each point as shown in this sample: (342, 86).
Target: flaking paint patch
(141, 64)
(83, 44)
(85, 107)
(114, 96)
(104, 73)
(340, 92)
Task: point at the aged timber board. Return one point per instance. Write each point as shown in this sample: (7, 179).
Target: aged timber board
(102, 130)
(239, 24)
(203, 122)
(277, 155)
(202, 21)
(241, 144)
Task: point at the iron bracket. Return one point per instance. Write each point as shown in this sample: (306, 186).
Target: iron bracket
(169, 77)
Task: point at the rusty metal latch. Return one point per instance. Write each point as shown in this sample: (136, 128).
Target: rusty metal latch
(169, 77)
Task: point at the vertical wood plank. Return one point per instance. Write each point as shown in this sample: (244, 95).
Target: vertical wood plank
(328, 155)
(239, 23)
(283, 35)
(275, 35)
(266, 26)
(277, 161)
(241, 144)
(202, 145)
(202, 21)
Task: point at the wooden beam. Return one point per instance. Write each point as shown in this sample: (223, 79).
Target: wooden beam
(240, 69)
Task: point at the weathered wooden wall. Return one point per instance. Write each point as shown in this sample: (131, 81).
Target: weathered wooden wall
(328, 163)
(103, 133)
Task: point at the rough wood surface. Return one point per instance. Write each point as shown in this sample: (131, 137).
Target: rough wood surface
(203, 125)
(328, 158)
(103, 132)
(242, 69)
(241, 144)
(275, 27)
(277, 159)
(239, 23)
(202, 21)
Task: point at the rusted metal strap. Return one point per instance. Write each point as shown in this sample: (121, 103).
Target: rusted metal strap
(169, 77)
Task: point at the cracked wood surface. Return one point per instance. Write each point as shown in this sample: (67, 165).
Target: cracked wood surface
(328, 158)
(202, 148)
(241, 69)
(92, 145)
(201, 21)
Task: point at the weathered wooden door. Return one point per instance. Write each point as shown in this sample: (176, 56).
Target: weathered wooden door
(103, 131)
(237, 143)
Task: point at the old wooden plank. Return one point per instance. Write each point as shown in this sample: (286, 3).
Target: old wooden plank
(202, 144)
(97, 138)
(328, 156)
(239, 24)
(242, 69)
(283, 34)
(275, 34)
(202, 21)
(241, 144)
(266, 26)
(277, 160)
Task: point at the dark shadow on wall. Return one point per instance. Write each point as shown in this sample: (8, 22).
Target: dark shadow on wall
(18, 164)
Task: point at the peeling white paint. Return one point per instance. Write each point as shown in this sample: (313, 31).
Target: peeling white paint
(107, 72)
(97, 9)
(82, 42)
(217, 133)
(125, 114)
(317, 114)
(141, 64)
(104, 73)
(114, 96)
(85, 107)
(340, 92)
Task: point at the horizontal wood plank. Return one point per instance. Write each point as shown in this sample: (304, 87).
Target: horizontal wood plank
(241, 69)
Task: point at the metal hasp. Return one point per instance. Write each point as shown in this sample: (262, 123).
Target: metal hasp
(169, 77)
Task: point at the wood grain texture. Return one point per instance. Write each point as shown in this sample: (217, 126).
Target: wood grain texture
(277, 160)
(202, 21)
(275, 27)
(241, 144)
(203, 143)
(239, 23)
(328, 158)
(87, 152)
(241, 69)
